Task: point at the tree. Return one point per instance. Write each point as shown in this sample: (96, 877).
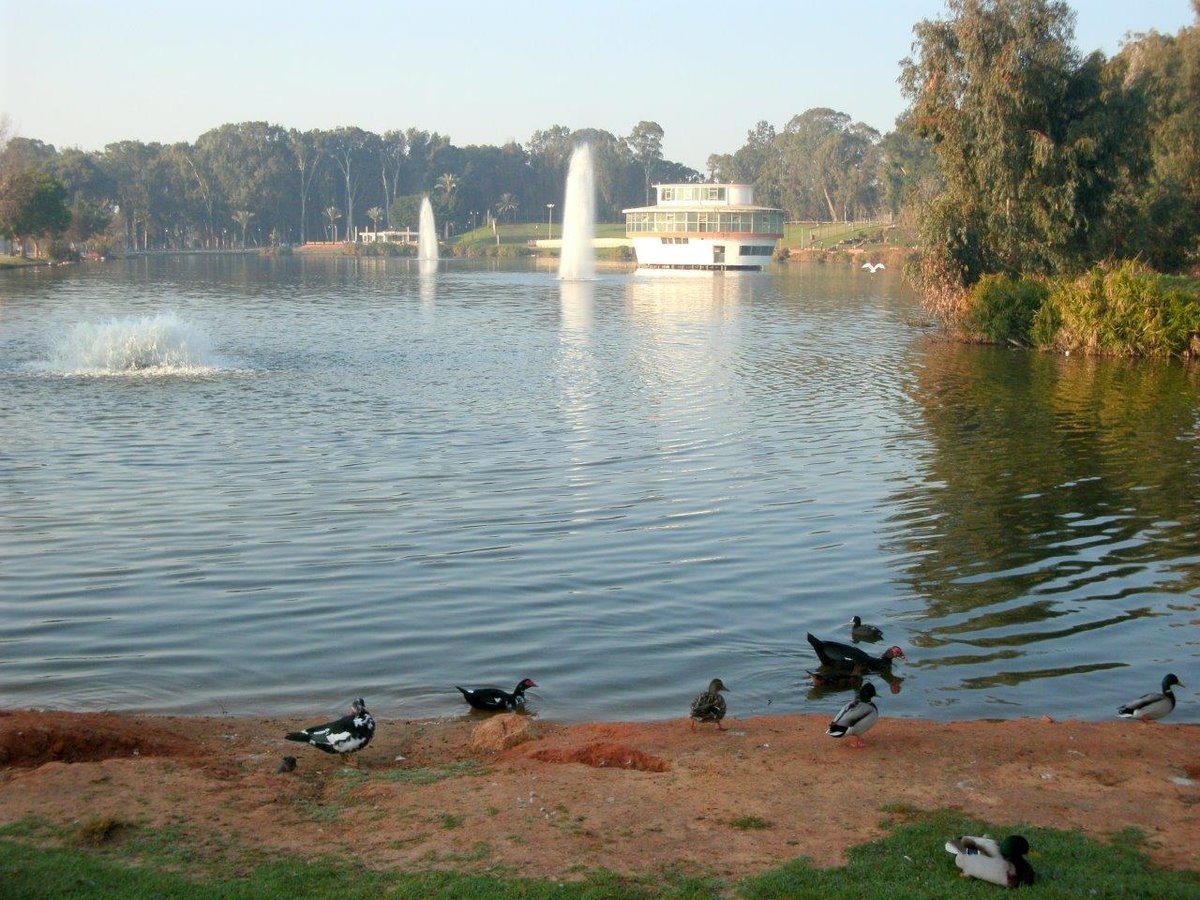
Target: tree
(506, 205)
(332, 214)
(446, 188)
(1030, 139)
(32, 206)
(347, 147)
(243, 217)
(375, 213)
(308, 159)
(645, 142)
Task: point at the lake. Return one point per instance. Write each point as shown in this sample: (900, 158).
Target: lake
(267, 486)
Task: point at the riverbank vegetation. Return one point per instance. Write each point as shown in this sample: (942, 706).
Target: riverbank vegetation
(1066, 181)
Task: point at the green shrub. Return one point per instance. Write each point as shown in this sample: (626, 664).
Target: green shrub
(1125, 311)
(1002, 308)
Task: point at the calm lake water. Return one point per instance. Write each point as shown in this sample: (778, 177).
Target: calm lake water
(354, 479)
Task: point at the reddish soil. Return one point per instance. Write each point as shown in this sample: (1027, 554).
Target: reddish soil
(628, 797)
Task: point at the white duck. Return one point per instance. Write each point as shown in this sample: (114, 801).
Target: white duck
(1000, 863)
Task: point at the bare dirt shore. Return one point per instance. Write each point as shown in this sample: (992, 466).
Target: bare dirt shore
(628, 797)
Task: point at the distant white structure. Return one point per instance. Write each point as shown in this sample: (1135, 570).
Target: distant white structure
(873, 267)
(704, 226)
(387, 237)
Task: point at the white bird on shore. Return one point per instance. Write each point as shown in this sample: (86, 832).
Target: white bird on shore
(873, 267)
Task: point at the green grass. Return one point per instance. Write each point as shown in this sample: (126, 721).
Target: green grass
(134, 862)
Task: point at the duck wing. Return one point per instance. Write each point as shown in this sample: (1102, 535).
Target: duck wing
(708, 707)
(854, 718)
(1147, 706)
(487, 698)
(344, 735)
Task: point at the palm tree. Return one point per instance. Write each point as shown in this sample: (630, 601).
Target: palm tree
(508, 204)
(332, 214)
(243, 217)
(375, 213)
(446, 185)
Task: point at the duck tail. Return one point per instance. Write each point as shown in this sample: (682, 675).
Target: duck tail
(297, 736)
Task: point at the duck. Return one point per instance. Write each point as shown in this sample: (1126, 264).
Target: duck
(856, 717)
(709, 706)
(843, 656)
(1002, 863)
(1149, 707)
(345, 735)
(860, 631)
(490, 699)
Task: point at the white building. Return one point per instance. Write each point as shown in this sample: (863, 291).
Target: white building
(704, 226)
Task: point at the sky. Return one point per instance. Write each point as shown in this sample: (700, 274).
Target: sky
(85, 73)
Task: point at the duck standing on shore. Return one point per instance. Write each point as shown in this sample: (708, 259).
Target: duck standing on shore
(856, 717)
(490, 699)
(1001, 863)
(345, 735)
(1149, 707)
(710, 705)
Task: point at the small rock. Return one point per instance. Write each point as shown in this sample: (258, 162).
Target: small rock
(288, 765)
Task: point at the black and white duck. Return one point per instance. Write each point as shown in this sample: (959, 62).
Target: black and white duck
(491, 699)
(843, 656)
(856, 717)
(1149, 707)
(1002, 863)
(710, 705)
(345, 735)
(861, 631)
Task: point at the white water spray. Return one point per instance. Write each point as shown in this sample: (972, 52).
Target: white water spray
(427, 240)
(147, 345)
(578, 259)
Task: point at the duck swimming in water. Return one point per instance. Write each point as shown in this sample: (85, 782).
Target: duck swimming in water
(710, 705)
(490, 699)
(860, 631)
(843, 656)
(1149, 707)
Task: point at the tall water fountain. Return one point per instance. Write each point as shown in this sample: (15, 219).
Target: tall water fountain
(578, 259)
(427, 242)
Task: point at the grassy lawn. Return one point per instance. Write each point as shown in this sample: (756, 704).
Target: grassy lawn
(19, 262)
(103, 858)
(521, 233)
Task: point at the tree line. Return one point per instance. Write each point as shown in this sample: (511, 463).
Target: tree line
(1017, 154)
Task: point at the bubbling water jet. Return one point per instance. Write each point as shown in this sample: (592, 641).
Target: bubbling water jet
(427, 242)
(578, 260)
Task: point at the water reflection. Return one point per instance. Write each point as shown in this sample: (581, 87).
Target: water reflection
(1048, 508)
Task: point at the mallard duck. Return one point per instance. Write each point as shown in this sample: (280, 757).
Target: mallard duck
(856, 717)
(860, 631)
(491, 699)
(1149, 707)
(710, 705)
(1000, 863)
(345, 735)
(843, 656)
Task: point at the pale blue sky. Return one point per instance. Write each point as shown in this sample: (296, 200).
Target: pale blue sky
(85, 73)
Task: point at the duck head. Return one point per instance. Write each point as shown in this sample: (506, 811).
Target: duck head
(525, 683)
(1170, 680)
(716, 685)
(358, 707)
(1013, 846)
(866, 692)
(894, 653)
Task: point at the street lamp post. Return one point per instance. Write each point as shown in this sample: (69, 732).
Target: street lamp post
(550, 220)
